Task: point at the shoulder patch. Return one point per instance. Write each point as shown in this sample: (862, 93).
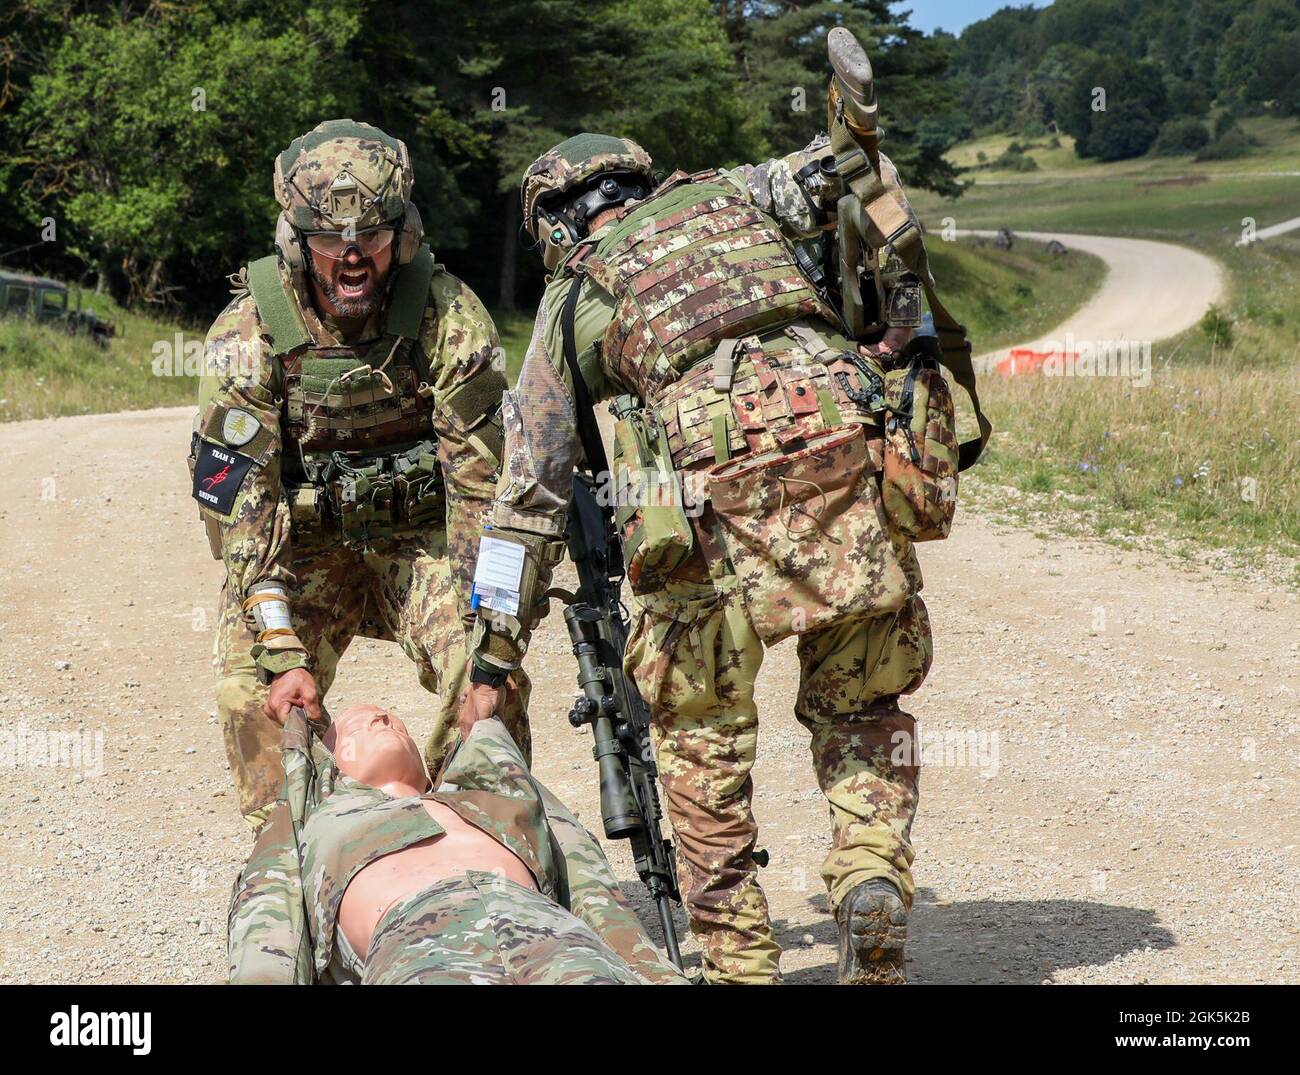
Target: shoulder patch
(238, 427)
(218, 476)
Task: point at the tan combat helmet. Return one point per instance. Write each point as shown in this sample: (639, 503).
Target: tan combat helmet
(345, 176)
(569, 167)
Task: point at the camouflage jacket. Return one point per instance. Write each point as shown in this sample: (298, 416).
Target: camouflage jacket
(242, 378)
(278, 935)
(541, 442)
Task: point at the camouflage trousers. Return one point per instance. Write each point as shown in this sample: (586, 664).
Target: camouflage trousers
(695, 656)
(482, 929)
(402, 591)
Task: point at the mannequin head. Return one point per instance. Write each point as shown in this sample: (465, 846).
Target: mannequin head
(372, 746)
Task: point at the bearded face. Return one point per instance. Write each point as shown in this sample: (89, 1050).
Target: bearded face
(353, 284)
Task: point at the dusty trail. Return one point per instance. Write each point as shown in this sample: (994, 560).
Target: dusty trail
(1136, 821)
(1151, 291)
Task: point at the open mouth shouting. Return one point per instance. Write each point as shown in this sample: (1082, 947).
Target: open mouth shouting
(353, 287)
(353, 281)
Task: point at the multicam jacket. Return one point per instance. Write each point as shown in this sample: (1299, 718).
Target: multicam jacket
(246, 399)
(277, 935)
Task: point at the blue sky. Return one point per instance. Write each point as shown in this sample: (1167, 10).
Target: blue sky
(953, 15)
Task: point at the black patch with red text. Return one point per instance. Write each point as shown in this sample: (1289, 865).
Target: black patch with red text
(218, 475)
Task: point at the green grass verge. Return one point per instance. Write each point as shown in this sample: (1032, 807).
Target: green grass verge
(45, 372)
(1208, 456)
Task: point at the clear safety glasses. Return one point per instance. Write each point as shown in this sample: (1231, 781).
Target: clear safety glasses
(335, 244)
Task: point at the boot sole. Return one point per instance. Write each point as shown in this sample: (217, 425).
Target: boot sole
(871, 948)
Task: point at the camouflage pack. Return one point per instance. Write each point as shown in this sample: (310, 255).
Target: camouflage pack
(806, 534)
(919, 477)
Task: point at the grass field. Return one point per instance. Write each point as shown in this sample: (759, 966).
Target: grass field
(46, 372)
(1209, 455)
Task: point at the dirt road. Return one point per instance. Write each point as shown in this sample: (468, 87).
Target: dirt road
(1151, 291)
(1117, 801)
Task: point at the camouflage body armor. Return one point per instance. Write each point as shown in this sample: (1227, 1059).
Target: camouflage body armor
(364, 461)
(727, 351)
(693, 265)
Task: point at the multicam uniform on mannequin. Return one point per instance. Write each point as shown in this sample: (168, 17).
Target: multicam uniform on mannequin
(478, 928)
(343, 482)
(693, 313)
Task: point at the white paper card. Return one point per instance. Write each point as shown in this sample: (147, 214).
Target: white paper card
(497, 575)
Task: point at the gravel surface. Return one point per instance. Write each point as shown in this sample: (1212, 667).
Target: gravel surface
(1111, 744)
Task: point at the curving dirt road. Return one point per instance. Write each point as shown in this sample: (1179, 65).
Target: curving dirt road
(1110, 743)
(1151, 291)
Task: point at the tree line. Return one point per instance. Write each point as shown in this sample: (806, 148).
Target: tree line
(1161, 63)
(140, 136)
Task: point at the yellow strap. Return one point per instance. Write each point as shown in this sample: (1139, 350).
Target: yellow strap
(721, 449)
(264, 595)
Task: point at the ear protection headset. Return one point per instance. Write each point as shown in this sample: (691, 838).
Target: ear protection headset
(559, 230)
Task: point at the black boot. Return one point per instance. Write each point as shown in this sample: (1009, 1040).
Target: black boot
(873, 929)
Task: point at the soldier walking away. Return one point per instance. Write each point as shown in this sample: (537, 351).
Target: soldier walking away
(781, 441)
(346, 447)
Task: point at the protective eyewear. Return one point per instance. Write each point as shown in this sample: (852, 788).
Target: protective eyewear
(335, 244)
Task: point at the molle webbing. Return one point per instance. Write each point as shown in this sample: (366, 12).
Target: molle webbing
(693, 266)
(331, 404)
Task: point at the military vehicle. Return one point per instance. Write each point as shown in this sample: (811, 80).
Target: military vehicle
(46, 301)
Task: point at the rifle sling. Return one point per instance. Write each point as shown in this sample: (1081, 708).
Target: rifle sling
(588, 432)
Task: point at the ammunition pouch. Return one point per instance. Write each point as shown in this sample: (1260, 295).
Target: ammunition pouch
(371, 499)
(762, 394)
(650, 499)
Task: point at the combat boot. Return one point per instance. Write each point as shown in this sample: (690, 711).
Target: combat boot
(873, 929)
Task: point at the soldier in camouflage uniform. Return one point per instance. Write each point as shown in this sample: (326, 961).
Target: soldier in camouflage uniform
(346, 446)
(730, 374)
(475, 927)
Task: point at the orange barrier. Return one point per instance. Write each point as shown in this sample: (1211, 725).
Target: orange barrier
(1027, 360)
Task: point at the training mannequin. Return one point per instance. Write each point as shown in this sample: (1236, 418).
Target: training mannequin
(372, 746)
(363, 874)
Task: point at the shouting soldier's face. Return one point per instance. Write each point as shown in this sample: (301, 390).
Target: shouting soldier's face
(348, 276)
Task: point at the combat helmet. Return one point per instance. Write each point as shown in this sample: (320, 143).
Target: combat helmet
(347, 177)
(567, 186)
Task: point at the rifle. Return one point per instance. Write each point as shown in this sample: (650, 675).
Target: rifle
(612, 705)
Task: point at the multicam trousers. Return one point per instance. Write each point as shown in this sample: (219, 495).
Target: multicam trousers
(402, 591)
(696, 657)
(482, 929)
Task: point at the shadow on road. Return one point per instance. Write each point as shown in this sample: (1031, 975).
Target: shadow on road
(1001, 941)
